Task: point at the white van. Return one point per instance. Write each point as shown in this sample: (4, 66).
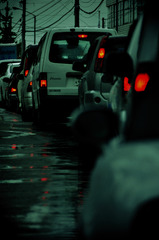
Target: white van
(55, 84)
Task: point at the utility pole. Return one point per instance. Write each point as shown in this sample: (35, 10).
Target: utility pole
(77, 8)
(23, 26)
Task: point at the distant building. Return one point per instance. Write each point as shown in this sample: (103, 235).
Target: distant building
(122, 13)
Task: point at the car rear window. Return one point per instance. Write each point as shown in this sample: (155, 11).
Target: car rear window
(72, 46)
(115, 44)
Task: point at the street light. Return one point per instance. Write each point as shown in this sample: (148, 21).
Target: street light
(16, 8)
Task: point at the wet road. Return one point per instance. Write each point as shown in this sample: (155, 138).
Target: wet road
(41, 180)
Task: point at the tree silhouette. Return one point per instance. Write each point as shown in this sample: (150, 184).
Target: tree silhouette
(7, 36)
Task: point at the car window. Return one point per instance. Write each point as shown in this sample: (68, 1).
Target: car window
(91, 52)
(70, 47)
(115, 44)
(150, 37)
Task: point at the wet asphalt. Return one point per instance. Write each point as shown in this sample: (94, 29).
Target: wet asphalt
(42, 180)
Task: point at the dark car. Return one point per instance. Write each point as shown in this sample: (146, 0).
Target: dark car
(123, 195)
(92, 89)
(11, 100)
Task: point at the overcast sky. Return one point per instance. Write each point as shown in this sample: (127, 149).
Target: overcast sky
(52, 13)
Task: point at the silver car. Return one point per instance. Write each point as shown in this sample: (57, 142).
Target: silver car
(25, 85)
(94, 86)
(5, 77)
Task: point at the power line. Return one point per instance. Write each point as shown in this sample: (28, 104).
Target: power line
(44, 10)
(50, 17)
(54, 22)
(94, 9)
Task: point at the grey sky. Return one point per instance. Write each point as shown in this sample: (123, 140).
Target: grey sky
(48, 12)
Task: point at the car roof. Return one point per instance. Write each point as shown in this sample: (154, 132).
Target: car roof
(83, 29)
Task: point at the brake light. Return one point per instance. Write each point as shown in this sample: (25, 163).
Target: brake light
(101, 53)
(82, 35)
(127, 85)
(43, 83)
(31, 83)
(26, 73)
(13, 90)
(141, 82)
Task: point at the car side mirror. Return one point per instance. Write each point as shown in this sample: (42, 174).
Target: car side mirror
(94, 125)
(79, 66)
(119, 64)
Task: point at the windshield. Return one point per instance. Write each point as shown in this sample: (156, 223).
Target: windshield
(72, 46)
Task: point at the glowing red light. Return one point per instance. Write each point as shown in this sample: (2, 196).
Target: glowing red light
(82, 35)
(13, 90)
(31, 83)
(44, 179)
(101, 53)
(14, 146)
(127, 85)
(26, 73)
(43, 83)
(141, 82)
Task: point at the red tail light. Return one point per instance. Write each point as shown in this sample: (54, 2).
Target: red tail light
(100, 56)
(141, 82)
(43, 83)
(101, 53)
(13, 90)
(82, 35)
(127, 85)
(26, 73)
(43, 80)
(31, 83)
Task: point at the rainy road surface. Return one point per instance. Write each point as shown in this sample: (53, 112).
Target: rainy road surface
(41, 181)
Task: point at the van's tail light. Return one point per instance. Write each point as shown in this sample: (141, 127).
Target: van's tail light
(82, 35)
(100, 56)
(43, 80)
(13, 90)
(127, 85)
(43, 83)
(141, 82)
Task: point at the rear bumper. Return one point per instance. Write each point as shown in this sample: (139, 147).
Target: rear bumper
(60, 104)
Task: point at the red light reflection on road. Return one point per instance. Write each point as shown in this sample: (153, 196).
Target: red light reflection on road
(44, 179)
(45, 167)
(14, 146)
(15, 120)
(46, 192)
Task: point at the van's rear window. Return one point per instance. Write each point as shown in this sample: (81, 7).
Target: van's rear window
(72, 46)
